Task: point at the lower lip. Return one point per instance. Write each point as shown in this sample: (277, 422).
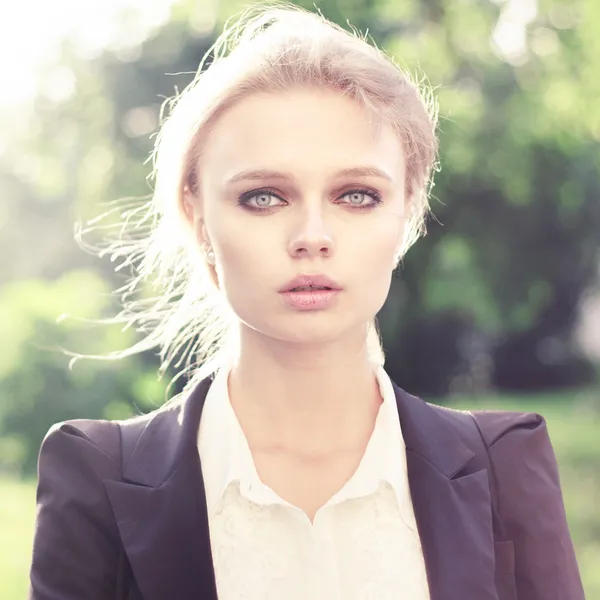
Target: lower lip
(313, 300)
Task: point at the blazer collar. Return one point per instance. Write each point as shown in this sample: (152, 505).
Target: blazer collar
(168, 437)
(160, 506)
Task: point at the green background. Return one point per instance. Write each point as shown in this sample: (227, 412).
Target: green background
(491, 309)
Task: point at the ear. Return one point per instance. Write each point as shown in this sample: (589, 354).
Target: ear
(190, 205)
(193, 215)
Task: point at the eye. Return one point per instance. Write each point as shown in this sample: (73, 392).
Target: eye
(259, 200)
(360, 198)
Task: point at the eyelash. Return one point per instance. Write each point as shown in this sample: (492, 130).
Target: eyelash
(244, 199)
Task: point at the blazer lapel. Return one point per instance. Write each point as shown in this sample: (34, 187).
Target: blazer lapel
(160, 506)
(452, 509)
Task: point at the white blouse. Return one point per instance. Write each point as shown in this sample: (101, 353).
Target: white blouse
(363, 544)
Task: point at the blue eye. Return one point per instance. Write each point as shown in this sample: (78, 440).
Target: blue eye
(258, 200)
(358, 198)
(262, 200)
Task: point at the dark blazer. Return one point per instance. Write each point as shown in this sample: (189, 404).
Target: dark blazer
(122, 510)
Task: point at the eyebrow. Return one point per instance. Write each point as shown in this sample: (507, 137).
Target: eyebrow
(254, 174)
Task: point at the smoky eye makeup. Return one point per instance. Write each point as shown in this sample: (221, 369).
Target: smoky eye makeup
(359, 193)
(266, 200)
(252, 199)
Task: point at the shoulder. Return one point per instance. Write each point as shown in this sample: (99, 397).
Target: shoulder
(75, 528)
(520, 452)
(495, 425)
(530, 502)
(519, 442)
(515, 441)
(75, 457)
(103, 437)
(100, 435)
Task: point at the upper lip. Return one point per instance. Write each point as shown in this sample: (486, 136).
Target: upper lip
(314, 280)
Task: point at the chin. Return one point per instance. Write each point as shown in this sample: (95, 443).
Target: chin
(316, 331)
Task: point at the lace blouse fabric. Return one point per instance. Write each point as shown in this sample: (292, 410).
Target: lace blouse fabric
(363, 543)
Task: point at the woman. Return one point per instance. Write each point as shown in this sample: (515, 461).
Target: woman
(292, 176)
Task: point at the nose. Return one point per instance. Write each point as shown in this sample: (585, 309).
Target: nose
(312, 238)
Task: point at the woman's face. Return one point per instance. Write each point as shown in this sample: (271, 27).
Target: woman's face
(299, 183)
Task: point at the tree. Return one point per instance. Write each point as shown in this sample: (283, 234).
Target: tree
(37, 388)
(490, 295)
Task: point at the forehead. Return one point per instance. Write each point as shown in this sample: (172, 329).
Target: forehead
(305, 131)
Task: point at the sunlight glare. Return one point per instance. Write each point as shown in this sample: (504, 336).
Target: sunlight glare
(509, 38)
(32, 31)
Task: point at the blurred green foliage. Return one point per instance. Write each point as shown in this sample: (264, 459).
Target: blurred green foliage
(487, 301)
(36, 387)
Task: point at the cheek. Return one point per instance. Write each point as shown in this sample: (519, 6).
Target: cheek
(246, 260)
(378, 243)
(376, 261)
(239, 262)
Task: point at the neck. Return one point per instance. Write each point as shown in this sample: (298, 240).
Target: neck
(311, 398)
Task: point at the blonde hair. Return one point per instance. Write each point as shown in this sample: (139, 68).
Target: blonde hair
(268, 48)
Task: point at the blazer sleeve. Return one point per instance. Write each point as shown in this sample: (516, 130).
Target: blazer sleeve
(531, 506)
(76, 545)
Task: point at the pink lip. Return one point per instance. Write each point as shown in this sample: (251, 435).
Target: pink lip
(314, 280)
(310, 300)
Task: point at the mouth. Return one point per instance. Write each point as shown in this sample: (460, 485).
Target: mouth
(311, 283)
(316, 296)
(310, 288)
